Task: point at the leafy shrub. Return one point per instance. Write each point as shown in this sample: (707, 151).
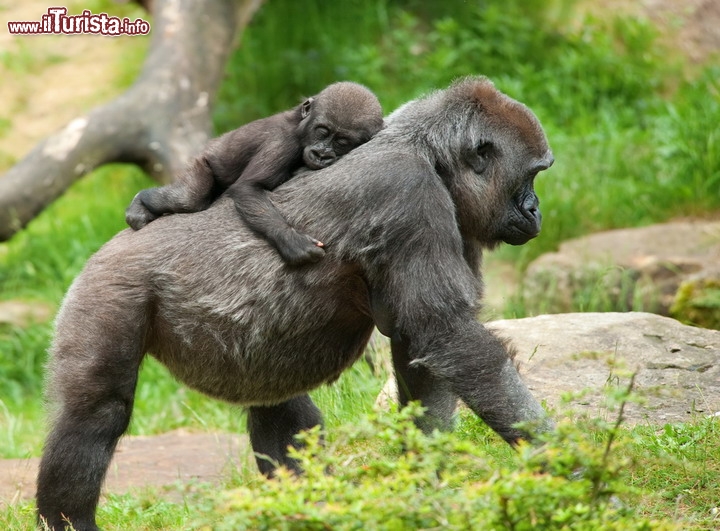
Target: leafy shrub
(396, 478)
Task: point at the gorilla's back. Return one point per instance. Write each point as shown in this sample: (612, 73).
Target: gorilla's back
(222, 310)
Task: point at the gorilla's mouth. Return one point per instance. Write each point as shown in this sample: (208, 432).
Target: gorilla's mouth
(318, 158)
(517, 236)
(317, 164)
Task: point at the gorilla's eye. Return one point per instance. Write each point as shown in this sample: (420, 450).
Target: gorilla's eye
(484, 149)
(342, 141)
(322, 131)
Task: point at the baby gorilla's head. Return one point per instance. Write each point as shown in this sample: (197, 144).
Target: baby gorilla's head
(342, 117)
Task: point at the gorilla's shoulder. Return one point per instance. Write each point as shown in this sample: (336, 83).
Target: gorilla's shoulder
(388, 167)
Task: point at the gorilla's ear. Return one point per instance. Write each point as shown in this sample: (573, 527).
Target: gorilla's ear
(306, 107)
(479, 156)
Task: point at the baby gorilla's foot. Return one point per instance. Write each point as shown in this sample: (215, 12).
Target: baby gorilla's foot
(137, 214)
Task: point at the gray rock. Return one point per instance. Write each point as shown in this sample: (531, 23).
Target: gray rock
(677, 366)
(591, 354)
(623, 269)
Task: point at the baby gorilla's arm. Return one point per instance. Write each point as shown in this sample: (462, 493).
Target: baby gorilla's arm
(272, 166)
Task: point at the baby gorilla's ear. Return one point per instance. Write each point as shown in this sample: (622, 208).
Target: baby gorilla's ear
(306, 107)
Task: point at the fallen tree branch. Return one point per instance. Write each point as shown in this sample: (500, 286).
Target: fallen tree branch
(159, 123)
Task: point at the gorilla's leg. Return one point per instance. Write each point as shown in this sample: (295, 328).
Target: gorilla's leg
(93, 370)
(92, 417)
(273, 428)
(417, 383)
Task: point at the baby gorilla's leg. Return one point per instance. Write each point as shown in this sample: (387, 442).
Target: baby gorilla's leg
(138, 214)
(192, 192)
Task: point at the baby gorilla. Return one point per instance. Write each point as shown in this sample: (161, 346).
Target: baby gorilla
(263, 154)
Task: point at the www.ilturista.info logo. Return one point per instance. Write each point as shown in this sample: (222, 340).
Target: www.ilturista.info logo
(57, 21)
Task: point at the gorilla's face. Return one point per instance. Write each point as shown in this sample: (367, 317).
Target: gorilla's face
(494, 147)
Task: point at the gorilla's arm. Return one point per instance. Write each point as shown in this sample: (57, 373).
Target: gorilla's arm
(427, 306)
(439, 356)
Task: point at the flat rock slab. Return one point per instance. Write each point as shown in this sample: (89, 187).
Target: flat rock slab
(145, 461)
(678, 366)
(693, 242)
(585, 355)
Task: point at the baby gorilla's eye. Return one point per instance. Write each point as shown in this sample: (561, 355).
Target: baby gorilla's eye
(342, 141)
(322, 131)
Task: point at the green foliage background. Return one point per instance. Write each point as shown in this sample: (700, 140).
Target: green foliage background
(635, 142)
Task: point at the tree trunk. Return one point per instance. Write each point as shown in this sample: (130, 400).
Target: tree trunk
(160, 123)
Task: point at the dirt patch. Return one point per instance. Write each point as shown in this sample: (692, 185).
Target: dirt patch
(159, 461)
(50, 79)
(23, 313)
(692, 27)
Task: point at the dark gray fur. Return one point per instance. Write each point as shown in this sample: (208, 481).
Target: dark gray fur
(404, 218)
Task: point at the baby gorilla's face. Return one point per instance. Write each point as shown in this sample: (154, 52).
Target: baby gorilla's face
(326, 146)
(336, 121)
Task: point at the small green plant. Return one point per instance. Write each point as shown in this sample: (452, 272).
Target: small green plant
(697, 302)
(593, 288)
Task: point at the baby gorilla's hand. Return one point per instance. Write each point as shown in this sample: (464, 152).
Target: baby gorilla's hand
(297, 248)
(137, 215)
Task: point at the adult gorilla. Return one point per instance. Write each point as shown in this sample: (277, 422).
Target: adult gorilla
(404, 219)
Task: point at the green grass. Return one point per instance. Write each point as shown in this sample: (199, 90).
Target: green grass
(39, 264)
(352, 395)
(680, 467)
(386, 475)
(635, 144)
